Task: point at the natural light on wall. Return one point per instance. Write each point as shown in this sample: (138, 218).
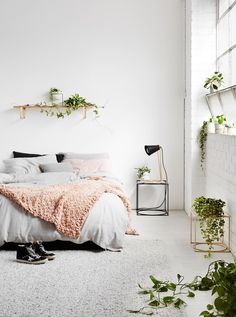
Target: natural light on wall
(224, 101)
(226, 40)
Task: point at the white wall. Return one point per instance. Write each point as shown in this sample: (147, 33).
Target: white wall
(221, 174)
(200, 63)
(125, 54)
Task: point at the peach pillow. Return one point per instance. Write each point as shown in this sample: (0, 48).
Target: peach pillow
(90, 166)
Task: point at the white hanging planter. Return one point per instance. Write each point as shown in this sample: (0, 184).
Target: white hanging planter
(211, 127)
(57, 98)
(231, 130)
(220, 128)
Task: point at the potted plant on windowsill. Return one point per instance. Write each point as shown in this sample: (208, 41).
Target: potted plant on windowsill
(214, 82)
(143, 173)
(211, 125)
(231, 129)
(220, 124)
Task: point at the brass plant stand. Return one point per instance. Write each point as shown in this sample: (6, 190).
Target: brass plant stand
(197, 242)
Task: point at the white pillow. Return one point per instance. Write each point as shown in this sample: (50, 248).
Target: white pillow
(29, 165)
(47, 178)
(5, 178)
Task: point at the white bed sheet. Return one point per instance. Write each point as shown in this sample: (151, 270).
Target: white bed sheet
(105, 225)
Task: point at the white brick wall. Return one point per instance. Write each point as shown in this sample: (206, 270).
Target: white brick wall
(221, 174)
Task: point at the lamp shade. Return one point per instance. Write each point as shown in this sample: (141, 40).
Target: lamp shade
(150, 149)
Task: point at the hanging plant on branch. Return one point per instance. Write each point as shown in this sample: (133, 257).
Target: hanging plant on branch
(72, 104)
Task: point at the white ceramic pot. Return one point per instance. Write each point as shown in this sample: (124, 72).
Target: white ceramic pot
(211, 127)
(146, 177)
(231, 131)
(57, 98)
(220, 128)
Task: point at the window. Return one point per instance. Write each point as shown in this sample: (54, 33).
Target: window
(224, 102)
(226, 40)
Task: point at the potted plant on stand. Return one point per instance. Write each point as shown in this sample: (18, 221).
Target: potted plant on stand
(143, 173)
(214, 82)
(220, 124)
(211, 219)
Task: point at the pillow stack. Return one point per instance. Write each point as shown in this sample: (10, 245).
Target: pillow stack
(27, 165)
(84, 164)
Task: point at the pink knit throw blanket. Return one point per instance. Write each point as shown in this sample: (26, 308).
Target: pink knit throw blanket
(66, 206)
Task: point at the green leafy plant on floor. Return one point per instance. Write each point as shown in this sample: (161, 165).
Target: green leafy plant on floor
(211, 219)
(202, 138)
(220, 279)
(214, 82)
(142, 170)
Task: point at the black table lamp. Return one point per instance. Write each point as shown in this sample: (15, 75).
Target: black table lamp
(150, 149)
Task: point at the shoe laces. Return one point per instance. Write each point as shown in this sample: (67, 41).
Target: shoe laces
(31, 252)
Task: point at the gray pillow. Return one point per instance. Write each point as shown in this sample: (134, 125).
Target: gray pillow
(27, 165)
(56, 167)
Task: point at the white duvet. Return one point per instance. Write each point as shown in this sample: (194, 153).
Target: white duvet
(105, 225)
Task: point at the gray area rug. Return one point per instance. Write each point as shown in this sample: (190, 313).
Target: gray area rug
(82, 283)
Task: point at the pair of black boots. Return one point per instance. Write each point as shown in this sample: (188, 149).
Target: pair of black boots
(33, 253)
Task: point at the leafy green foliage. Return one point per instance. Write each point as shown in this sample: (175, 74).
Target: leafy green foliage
(202, 138)
(142, 170)
(220, 279)
(221, 119)
(211, 218)
(215, 81)
(73, 103)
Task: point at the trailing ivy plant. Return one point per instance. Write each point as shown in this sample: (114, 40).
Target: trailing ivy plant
(73, 103)
(211, 218)
(220, 279)
(202, 138)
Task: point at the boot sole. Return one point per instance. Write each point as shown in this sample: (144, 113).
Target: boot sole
(28, 262)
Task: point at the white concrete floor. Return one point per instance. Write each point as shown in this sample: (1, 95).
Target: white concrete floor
(174, 231)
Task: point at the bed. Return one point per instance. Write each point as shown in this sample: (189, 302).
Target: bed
(105, 224)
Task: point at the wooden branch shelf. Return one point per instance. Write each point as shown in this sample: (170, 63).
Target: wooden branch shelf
(24, 108)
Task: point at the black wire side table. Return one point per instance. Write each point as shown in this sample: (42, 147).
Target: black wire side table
(162, 209)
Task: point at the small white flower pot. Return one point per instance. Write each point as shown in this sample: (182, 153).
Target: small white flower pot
(220, 128)
(231, 131)
(211, 127)
(57, 98)
(145, 177)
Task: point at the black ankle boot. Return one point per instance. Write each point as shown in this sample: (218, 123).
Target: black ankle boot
(40, 250)
(25, 254)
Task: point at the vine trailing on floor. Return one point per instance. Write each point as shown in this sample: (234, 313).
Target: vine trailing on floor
(202, 138)
(220, 279)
